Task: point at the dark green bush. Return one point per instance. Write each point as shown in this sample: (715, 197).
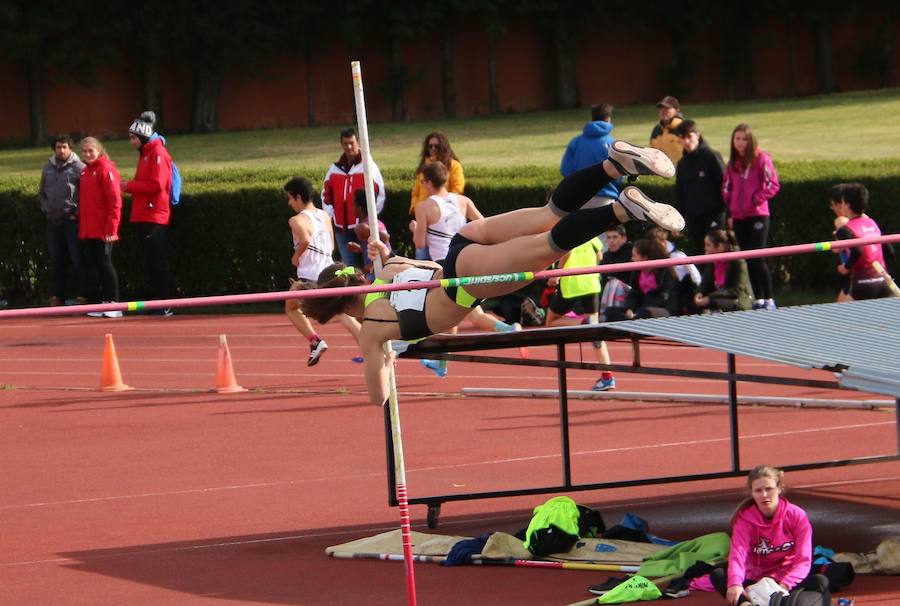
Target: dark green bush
(230, 234)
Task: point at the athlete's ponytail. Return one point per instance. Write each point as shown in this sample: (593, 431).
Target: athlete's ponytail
(323, 309)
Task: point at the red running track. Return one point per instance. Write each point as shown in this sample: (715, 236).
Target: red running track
(171, 494)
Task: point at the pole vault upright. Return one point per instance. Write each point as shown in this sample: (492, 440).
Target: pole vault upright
(393, 404)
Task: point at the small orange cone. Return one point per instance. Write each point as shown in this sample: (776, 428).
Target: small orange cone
(225, 381)
(110, 377)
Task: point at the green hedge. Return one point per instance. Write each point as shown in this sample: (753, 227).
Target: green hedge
(230, 233)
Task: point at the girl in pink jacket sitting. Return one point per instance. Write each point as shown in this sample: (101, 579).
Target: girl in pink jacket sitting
(770, 537)
(750, 181)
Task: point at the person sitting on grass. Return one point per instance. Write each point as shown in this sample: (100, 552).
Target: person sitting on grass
(363, 233)
(527, 239)
(726, 284)
(653, 292)
(770, 539)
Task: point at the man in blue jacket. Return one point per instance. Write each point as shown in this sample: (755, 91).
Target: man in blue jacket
(592, 147)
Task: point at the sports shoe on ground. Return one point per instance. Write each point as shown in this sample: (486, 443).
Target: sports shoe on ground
(770, 304)
(758, 305)
(633, 160)
(641, 208)
(676, 593)
(315, 352)
(161, 312)
(606, 586)
(532, 315)
(105, 314)
(438, 367)
(604, 384)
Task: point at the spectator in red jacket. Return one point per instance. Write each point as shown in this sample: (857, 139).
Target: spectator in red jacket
(150, 206)
(343, 178)
(101, 211)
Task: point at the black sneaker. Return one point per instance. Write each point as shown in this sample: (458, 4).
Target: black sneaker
(608, 585)
(161, 312)
(532, 315)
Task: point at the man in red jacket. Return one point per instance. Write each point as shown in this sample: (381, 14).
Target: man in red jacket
(342, 180)
(150, 206)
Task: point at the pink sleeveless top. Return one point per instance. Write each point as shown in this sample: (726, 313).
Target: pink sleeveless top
(863, 227)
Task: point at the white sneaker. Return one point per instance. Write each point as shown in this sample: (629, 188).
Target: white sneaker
(113, 314)
(641, 208)
(95, 314)
(315, 352)
(633, 160)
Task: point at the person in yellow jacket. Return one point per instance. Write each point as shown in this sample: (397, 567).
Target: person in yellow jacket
(436, 148)
(663, 136)
(581, 292)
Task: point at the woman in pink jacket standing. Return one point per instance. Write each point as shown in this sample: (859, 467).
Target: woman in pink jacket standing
(770, 538)
(750, 181)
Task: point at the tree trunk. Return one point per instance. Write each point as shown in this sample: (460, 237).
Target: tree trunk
(310, 106)
(493, 92)
(397, 108)
(447, 80)
(37, 116)
(790, 35)
(205, 110)
(567, 95)
(824, 54)
(151, 90)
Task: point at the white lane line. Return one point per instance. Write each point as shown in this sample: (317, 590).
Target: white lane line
(440, 467)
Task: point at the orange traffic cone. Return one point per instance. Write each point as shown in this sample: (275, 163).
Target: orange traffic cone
(110, 377)
(225, 381)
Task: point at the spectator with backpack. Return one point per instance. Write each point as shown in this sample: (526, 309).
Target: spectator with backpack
(151, 201)
(771, 545)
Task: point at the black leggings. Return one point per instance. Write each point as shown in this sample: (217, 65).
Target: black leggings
(752, 233)
(816, 582)
(578, 225)
(153, 241)
(99, 255)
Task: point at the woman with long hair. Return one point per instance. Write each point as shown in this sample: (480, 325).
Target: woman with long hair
(750, 182)
(435, 148)
(725, 285)
(771, 538)
(654, 292)
(101, 212)
(527, 239)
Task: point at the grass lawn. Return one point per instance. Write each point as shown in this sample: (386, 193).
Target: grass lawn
(861, 125)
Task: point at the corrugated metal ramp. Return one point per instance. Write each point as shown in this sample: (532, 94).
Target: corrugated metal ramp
(859, 339)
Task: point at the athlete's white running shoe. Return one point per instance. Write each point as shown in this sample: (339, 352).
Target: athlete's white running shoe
(315, 352)
(633, 160)
(641, 208)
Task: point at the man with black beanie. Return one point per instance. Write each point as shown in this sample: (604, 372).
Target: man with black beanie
(150, 208)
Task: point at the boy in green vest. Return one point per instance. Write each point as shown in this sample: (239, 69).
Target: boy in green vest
(583, 293)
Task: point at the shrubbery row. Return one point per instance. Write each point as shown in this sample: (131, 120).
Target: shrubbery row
(230, 235)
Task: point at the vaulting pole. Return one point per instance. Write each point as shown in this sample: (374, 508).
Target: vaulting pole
(393, 404)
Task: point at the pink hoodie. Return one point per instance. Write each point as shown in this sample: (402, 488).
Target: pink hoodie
(747, 191)
(780, 548)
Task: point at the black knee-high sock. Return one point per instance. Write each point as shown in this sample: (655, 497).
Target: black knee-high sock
(579, 187)
(579, 227)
